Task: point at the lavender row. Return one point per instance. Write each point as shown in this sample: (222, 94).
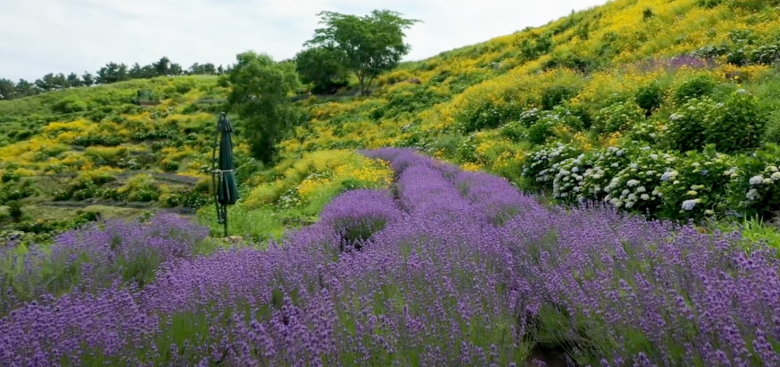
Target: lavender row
(459, 270)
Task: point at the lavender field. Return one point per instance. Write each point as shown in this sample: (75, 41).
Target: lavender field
(449, 268)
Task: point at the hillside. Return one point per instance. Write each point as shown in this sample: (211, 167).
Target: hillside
(596, 79)
(431, 223)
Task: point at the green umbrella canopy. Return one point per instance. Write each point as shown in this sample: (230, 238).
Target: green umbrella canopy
(227, 190)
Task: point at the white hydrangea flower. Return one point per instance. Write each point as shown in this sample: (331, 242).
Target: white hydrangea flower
(632, 197)
(772, 168)
(641, 189)
(629, 204)
(776, 176)
(632, 183)
(756, 180)
(752, 194)
(768, 181)
(689, 204)
(626, 192)
(709, 212)
(634, 165)
(654, 156)
(645, 197)
(692, 193)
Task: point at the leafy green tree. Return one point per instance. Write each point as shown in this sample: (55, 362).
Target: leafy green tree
(88, 79)
(136, 72)
(60, 81)
(108, 74)
(260, 96)
(46, 83)
(322, 67)
(74, 80)
(7, 89)
(367, 45)
(25, 88)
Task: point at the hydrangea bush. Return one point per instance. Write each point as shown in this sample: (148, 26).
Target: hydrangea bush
(754, 183)
(636, 187)
(696, 188)
(543, 164)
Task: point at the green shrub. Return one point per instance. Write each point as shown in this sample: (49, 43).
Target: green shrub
(567, 183)
(696, 87)
(617, 116)
(687, 127)
(755, 183)
(542, 165)
(696, 188)
(70, 105)
(647, 131)
(557, 95)
(738, 124)
(636, 187)
(650, 97)
(542, 130)
(15, 210)
(709, 4)
(601, 167)
(515, 131)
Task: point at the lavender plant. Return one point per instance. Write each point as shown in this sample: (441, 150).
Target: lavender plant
(446, 281)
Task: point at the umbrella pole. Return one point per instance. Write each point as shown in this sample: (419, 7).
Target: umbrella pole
(226, 220)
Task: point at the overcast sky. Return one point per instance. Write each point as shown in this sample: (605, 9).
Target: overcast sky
(63, 36)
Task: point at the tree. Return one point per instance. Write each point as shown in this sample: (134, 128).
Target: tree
(368, 45)
(260, 89)
(175, 69)
(60, 82)
(25, 88)
(46, 83)
(7, 89)
(74, 80)
(162, 67)
(322, 67)
(108, 74)
(136, 72)
(88, 79)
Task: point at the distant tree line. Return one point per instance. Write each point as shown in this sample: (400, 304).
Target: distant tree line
(110, 73)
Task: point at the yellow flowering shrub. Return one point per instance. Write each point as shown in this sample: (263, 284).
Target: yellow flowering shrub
(320, 175)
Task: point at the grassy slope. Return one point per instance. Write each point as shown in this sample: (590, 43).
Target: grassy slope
(454, 113)
(84, 147)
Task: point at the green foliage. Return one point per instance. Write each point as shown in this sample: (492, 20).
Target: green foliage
(754, 187)
(687, 126)
(557, 95)
(600, 167)
(15, 210)
(696, 87)
(543, 164)
(323, 67)
(617, 116)
(260, 96)
(738, 124)
(368, 45)
(636, 187)
(650, 97)
(532, 48)
(696, 188)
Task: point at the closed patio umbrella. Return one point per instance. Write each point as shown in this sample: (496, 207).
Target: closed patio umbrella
(223, 177)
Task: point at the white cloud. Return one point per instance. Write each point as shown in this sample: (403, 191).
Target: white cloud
(63, 36)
